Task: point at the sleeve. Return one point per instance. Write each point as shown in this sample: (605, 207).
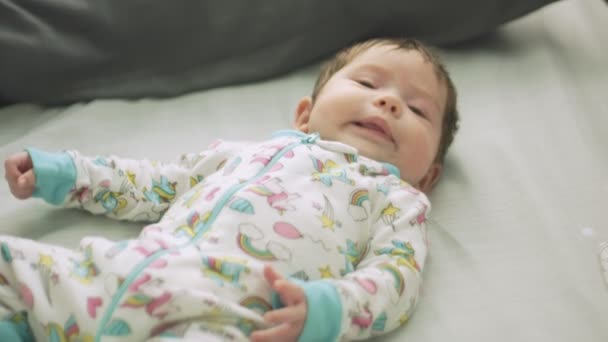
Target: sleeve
(381, 293)
(125, 189)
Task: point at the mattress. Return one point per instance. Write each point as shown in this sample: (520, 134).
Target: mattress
(518, 217)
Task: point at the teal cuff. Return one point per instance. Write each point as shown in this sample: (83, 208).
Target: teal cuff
(9, 333)
(16, 329)
(324, 310)
(55, 175)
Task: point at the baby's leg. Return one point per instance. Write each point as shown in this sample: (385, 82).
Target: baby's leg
(30, 274)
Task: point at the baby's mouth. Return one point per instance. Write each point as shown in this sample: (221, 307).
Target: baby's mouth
(377, 127)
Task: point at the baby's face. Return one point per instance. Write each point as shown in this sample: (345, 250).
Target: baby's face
(388, 104)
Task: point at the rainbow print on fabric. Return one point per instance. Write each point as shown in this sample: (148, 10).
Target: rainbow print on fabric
(359, 204)
(399, 282)
(246, 246)
(257, 304)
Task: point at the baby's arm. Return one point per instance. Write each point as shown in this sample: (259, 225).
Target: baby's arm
(138, 190)
(378, 296)
(381, 293)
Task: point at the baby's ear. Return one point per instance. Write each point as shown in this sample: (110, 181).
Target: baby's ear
(303, 114)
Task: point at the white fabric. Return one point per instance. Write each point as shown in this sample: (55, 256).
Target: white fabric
(518, 216)
(311, 208)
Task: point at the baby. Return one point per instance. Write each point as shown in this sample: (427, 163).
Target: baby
(317, 234)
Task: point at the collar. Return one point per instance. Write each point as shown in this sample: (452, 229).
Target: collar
(330, 145)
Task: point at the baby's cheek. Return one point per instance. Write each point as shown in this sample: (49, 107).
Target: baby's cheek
(415, 165)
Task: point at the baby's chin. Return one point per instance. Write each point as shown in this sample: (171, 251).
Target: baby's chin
(367, 148)
(373, 151)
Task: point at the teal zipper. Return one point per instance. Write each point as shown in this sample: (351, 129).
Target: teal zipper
(305, 139)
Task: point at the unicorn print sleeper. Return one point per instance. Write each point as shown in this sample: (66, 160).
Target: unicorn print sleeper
(344, 227)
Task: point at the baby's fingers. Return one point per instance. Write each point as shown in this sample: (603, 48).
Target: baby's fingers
(11, 171)
(271, 275)
(24, 185)
(290, 293)
(28, 179)
(20, 176)
(16, 165)
(296, 313)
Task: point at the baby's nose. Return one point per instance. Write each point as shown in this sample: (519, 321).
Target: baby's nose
(390, 104)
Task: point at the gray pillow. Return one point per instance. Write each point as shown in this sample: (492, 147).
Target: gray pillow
(61, 51)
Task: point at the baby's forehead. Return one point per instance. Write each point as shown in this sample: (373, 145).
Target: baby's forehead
(410, 66)
(394, 59)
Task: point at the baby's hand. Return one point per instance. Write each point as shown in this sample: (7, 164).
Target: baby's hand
(19, 173)
(288, 321)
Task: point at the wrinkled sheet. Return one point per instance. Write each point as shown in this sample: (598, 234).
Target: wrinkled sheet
(518, 217)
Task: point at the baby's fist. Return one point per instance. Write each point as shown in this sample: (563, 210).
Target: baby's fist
(19, 173)
(287, 322)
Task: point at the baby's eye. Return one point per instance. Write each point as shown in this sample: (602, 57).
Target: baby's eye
(417, 111)
(366, 83)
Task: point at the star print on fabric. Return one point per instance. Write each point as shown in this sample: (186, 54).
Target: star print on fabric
(403, 319)
(46, 260)
(389, 214)
(390, 210)
(326, 272)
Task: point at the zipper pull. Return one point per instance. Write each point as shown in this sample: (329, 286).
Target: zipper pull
(310, 138)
